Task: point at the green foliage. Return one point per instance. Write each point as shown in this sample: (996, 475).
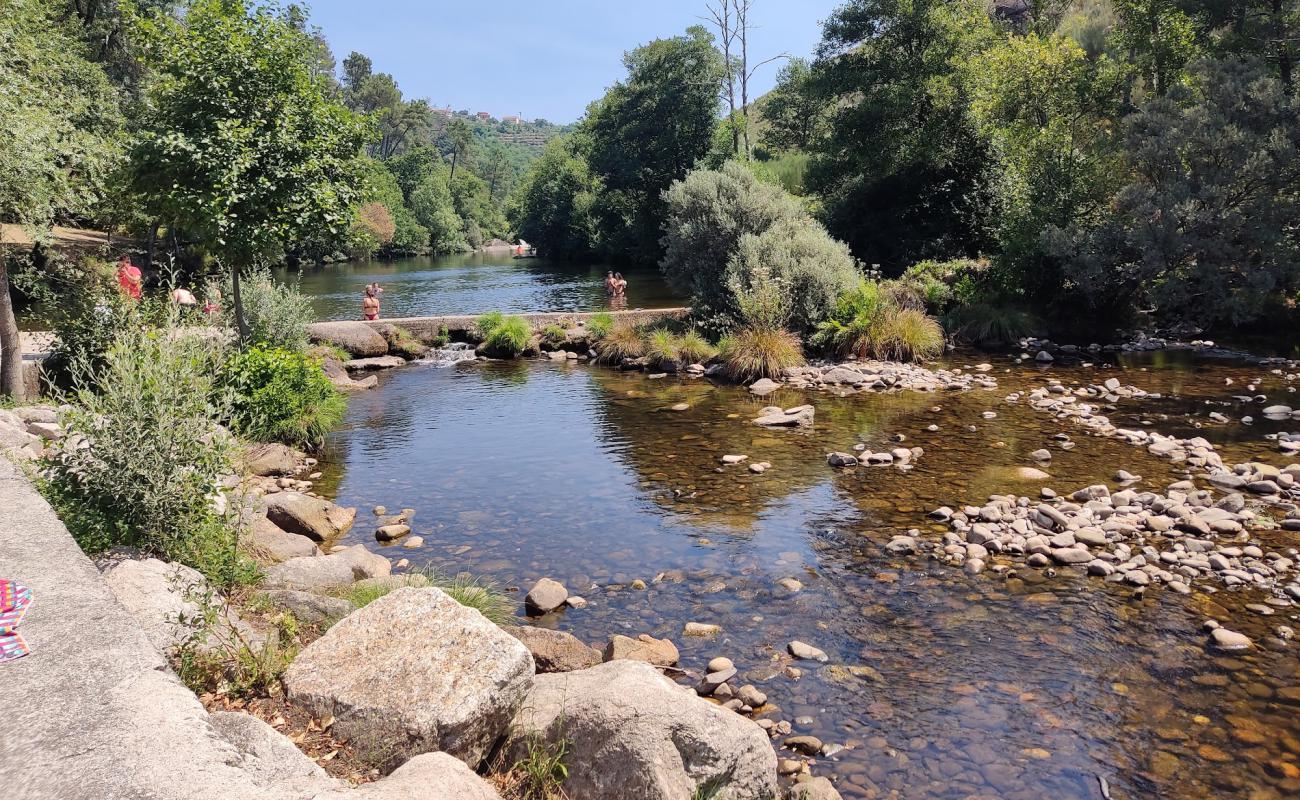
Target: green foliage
(1204, 228)
(693, 348)
(663, 349)
(599, 325)
(876, 320)
(753, 352)
(486, 323)
(788, 170)
(541, 770)
(218, 657)
(646, 132)
(623, 341)
(480, 594)
(248, 169)
(509, 338)
(723, 226)
(404, 343)
(277, 313)
(281, 395)
(552, 208)
(986, 321)
(794, 116)
(144, 454)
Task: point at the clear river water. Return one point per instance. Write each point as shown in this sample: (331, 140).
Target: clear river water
(940, 684)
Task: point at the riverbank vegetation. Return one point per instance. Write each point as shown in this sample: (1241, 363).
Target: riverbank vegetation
(1088, 163)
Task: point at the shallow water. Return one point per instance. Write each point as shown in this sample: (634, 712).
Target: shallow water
(974, 686)
(474, 283)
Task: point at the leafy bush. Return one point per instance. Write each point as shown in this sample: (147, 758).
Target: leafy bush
(142, 459)
(989, 322)
(693, 348)
(486, 323)
(753, 352)
(599, 326)
(623, 341)
(508, 339)
(281, 395)
(277, 313)
(812, 269)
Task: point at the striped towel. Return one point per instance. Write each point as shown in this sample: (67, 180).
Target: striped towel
(14, 600)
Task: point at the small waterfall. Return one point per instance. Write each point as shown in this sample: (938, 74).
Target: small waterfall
(450, 355)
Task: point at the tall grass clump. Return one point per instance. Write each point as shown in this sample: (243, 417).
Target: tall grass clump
(990, 323)
(480, 594)
(880, 320)
(762, 347)
(486, 323)
(599, 326)
(281, 395)
(623, 341)
(663, 349)
(693, 348)
(554, 336)
(141, 463)
(509, 338)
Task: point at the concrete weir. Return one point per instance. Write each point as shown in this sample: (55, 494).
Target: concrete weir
(427, 328)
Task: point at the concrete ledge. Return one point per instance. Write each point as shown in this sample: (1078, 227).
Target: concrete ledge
(93, 711)
(426, 328)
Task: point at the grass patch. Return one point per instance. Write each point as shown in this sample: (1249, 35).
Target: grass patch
(480, 594)
(541, 771)
(554, 336)
(218, 658)
(623, 341)
(404, 343)
(693, 348)
(508, 339)
(755, 352)
(881, 320)
(599, 326)
(486, 323)
(663, 349)
(991, 324)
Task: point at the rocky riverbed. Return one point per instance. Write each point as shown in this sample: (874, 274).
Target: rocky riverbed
(661, 503)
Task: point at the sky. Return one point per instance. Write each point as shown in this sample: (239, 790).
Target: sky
(538, 58)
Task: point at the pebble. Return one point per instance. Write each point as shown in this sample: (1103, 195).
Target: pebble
(806, 652)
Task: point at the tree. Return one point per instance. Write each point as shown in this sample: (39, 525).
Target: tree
(245, 146)
(459, 138)
(552, 208)
(648, 131)
(59, 127)
(902, 172)
(1205, 228)
(1159, 38)
(793, 113)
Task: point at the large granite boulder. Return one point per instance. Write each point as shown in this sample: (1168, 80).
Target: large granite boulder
(660, 652)
(317, 519)
(270, 460)
(556, 651)
(173, 603)
(414, 672)
(268, 756)
(633, 734)
(431, 776)
(321, 573)
(357, 338)
(269, 543)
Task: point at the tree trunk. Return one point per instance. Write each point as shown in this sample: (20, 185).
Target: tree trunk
(238, 299)
(11, 344)
(452, 176)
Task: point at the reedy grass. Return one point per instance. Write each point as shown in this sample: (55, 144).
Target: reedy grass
(755, 352)
(623, 341)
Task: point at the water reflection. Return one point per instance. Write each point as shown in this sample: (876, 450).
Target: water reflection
(477, 282)
(941, 685)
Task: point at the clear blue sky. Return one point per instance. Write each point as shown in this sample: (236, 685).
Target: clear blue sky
(538, 58)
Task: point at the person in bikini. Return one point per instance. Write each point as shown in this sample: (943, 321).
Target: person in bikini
(370, 304)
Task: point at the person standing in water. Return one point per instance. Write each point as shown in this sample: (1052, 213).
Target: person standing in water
(620, 285)
(610, 286)
(370, 304)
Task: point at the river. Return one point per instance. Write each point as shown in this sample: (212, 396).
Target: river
(474, 283)
(940, 684)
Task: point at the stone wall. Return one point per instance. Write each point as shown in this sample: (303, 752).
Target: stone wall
(426, 328)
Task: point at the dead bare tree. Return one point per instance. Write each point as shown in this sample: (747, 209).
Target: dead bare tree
(731, 18)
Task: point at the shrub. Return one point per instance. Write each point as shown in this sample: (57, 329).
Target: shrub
(442, 339)
(599, 326)
(509, 338)
(812, 269)
(623, 341)
(281, 395)
(989, 322)
(141, 463)
(541, 771)
(86, 312)
(277, 313)
(663, 349)
(755, 352)
(694, 348)
(218, 657)
(884, 321)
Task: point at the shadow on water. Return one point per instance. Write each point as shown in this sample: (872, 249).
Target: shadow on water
(940, 685)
